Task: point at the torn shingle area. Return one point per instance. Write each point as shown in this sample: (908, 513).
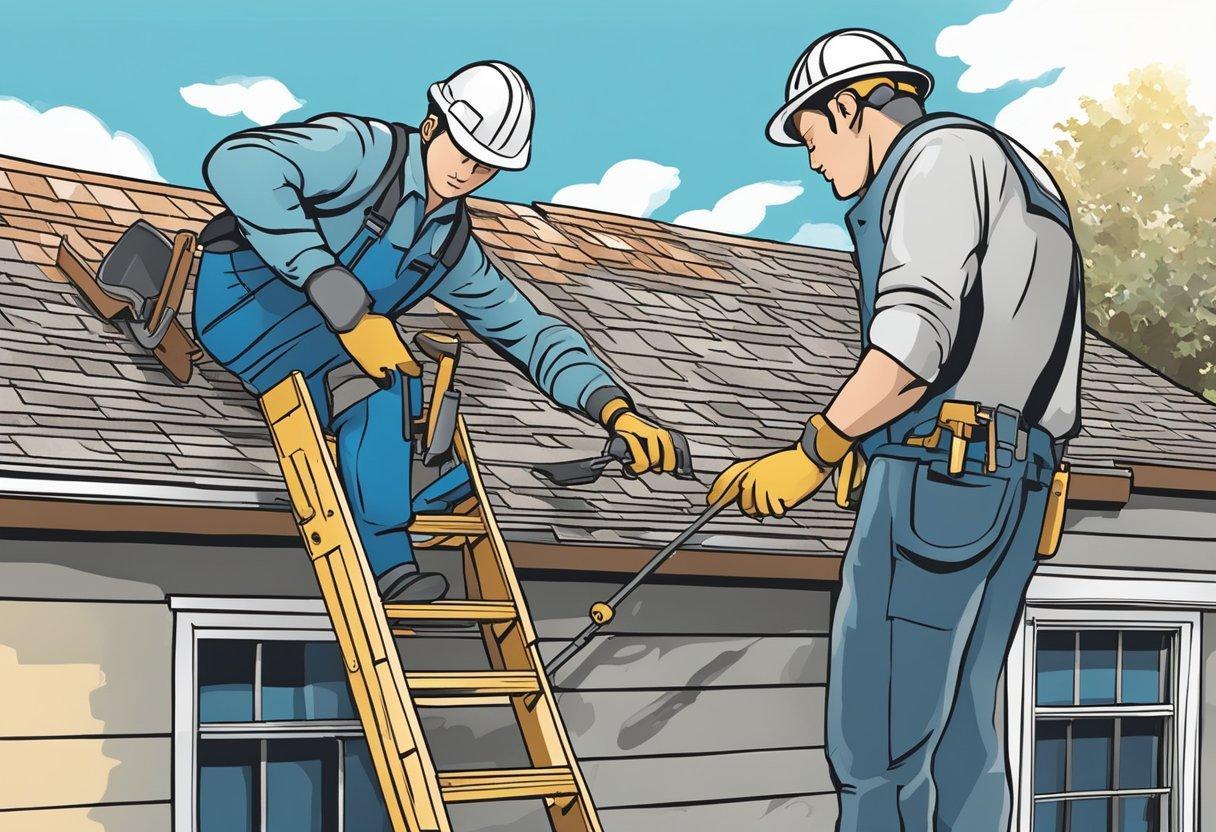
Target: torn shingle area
(735, 341)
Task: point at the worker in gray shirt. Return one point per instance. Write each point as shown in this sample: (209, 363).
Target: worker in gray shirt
(965, 392)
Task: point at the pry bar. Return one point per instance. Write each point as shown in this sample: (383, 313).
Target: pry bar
(603, 612)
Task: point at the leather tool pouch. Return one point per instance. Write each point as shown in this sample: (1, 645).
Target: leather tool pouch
(1053, 518)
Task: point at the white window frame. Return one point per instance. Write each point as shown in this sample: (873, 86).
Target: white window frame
(1113, 599)
(262, 619)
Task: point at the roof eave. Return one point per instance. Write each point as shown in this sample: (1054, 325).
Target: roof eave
(211, 515)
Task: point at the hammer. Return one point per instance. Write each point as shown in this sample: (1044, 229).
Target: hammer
(444, 350)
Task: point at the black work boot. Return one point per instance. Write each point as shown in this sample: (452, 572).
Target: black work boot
(405, 584)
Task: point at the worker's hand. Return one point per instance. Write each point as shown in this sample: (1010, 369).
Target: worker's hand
(651, 447)
(371, 340)
(377, 347)
(771, 485)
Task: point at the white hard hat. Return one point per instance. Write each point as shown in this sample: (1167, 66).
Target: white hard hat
(489, 110)
(836, 60)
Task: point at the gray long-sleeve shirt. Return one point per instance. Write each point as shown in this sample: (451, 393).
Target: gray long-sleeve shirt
(955, 221)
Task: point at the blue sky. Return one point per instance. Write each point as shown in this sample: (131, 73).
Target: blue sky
(682, 83)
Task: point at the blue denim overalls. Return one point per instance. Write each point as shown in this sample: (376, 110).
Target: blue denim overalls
(261, 328)
(931, 586)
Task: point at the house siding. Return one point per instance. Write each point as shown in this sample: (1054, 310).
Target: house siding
(702, 709)
(1151, 532)
(52, 772)
(84, 669)
(705, 702)
(142, 817)
(85, 698)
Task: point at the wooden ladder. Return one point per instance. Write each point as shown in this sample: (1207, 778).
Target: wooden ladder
(386, 697)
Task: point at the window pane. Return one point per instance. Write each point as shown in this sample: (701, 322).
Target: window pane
(1049, 746)
(1054, 667)
(304, 680)
(227, 782)
(362, 802)
(1049, 817)
(1142, 653)
(225, 680)
(1139, 752)
(1089, 815)
(1138, 814)
(1092, 743)
(1098, 667)
(302, 785)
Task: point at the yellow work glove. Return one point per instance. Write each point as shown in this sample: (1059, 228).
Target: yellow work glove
(377, 347)
(371, 340)
(772, 485)
(650, 446)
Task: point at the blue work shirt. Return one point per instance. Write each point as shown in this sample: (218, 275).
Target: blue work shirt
(300, 193)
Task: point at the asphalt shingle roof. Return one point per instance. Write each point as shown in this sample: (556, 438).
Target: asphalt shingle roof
(733, 340)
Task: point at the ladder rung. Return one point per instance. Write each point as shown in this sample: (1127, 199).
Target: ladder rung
(388, 698)
(473, 683)
(487, 611)
(458, 701)
(507, 784)
(449, 525)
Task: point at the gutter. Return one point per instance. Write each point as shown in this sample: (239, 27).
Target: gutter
(1099, 486)
(58, 500)
(1113, 486)
(226, 508)
(225, 493)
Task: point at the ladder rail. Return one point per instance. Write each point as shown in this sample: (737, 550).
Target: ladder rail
(394, 735)
(386, 697)
(540, 721)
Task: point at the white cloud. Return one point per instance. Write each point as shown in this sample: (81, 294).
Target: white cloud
(823, 235)
(261, 100)
(742, 210)
(636, 187)
(71, 137)
(1095, 44)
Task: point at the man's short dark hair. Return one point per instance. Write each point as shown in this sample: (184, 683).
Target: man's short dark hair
(432, 109)
(898, 104)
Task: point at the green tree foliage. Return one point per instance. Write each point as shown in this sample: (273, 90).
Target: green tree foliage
(1138, 172)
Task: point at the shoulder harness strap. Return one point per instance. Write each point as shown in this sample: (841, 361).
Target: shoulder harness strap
(379, 216)
(458, 238)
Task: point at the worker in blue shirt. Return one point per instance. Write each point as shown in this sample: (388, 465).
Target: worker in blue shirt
(337, 226)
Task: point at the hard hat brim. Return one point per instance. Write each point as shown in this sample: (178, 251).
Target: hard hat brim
(778, 124)
(466, 141)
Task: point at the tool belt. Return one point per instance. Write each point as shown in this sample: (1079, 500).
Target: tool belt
(970, 423)
(347, 384)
